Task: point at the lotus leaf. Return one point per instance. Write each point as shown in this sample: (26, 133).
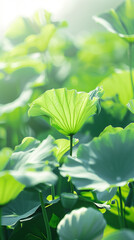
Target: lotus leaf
(32, 161)
(120, 20)
(63, 145)
(22, 207)
(105, 162)
(29, 165)
(83, 223)
(118, 84)
(67, 109)
(124, 234)
(9, 187)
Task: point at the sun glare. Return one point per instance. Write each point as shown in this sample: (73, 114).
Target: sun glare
(11, 9)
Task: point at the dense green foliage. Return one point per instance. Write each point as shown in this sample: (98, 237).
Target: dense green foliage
(67, 131)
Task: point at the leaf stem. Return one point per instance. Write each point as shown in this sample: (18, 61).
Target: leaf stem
(121, 208)
(130, 66)
(44, 213)
(71, 144)
(71, 151)
(52, 192)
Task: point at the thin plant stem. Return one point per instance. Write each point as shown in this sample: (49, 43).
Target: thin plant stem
(71, 145)
(53, 192)
(71, 152)
(130, 66)
(44, 213)
(121, 208)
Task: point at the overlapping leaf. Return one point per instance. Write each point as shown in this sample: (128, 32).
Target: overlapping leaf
(104, 162)
(67, 109)
(120, 20)
(29, 165)
(83, 223)
(32, 161)
(118, 84)
(9, 187)
(124, 234)
(63, 145)
(22, 207)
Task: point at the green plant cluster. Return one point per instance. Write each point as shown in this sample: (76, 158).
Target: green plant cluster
(67, 130)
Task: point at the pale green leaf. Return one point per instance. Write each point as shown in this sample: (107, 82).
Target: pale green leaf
(83, 223)
(9, 187)
(32, 161)
(34, 43)
(67, 109)
(124, 234)
(107, 161)
(118, 84)
(120, 20)
(63, 145)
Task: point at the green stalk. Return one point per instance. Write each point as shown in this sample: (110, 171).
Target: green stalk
(130, 66)
(71, 151)
(44, 213)
(121, 208)
(71, 145)
(52, 192)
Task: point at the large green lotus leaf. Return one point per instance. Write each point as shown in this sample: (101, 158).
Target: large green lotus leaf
(33, 154)
(32, 178)
(9, 187)
(120, 20)
(34, 43)
(32, 161)
(63, 145)
(23, 206)
(83, 223)
(67, 109)
(105, 162)
(5, 154)
(124, 234)
(118, 84)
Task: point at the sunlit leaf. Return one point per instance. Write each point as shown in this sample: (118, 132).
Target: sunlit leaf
(83, 223)
(67, 109)
(9, 187)
(32, 161)
(118, 85)
(104, 162)
(63, 145)
(120, 20)
(19, 29)
(34, 43)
